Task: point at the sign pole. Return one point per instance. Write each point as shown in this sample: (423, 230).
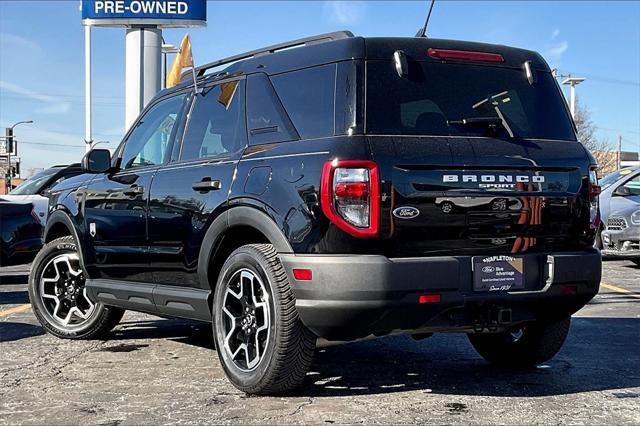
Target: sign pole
(87, 88)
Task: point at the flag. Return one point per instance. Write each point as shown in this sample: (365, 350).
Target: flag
(184, 59)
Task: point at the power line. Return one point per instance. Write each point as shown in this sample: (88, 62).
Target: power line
(617, 130)
(74, 101)
(48, 144)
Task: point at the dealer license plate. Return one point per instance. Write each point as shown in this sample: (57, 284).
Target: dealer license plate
(498, 273)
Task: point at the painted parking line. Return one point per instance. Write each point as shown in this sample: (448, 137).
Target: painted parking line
(15, 310)
(619, 290)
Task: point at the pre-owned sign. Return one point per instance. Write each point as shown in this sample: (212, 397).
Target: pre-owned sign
(160, 13)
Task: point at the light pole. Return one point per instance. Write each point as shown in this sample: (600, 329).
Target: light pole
(166, 49)
(10, 145)
(572, 82)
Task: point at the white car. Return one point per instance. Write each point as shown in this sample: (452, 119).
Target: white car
(33, 190)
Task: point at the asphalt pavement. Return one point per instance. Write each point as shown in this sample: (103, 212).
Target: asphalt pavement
(154, 370)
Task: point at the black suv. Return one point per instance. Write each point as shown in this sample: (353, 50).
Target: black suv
(344, 188)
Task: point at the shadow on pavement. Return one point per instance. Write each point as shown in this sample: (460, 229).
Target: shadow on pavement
(184, 331)
(14, 297)
(13, 279)
(12, 331)
(600, 354)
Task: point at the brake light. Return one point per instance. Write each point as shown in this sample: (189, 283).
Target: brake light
(465, 55)
(350, 192)
(594, 191)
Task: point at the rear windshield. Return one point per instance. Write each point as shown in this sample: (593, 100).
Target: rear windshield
(436, 97)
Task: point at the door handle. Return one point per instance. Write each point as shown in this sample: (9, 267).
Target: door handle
(207, 185)
(134, 190)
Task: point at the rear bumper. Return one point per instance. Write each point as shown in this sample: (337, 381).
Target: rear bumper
(355, 296)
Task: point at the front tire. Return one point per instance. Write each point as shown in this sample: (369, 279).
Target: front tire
(263, 346)
(524, 347)
(59, 297)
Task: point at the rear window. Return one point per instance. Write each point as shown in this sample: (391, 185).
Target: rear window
(436, 97)
(308, 96)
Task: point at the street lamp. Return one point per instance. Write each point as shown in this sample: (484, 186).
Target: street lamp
(572, 82)
(99, 142)
(166, 49)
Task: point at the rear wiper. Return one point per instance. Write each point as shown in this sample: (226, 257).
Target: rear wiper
(477, 121)
(489, 122)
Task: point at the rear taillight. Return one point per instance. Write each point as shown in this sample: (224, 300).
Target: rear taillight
(594, 192)
(350, 196)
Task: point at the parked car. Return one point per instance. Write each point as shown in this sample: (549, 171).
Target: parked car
(33, 190)
(20, 233)
(620, 191)
(621, 237)
(292, 196)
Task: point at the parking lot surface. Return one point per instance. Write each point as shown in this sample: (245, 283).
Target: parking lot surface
(154, 370)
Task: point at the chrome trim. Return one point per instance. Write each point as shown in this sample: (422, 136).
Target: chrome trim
(548, 281)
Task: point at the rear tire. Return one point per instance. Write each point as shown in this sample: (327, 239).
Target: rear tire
(525, 347)
(263, 346)
(58, 295)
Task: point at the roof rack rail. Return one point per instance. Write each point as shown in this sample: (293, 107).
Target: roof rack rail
(321, 38)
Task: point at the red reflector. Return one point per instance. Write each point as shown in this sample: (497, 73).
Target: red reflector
(569, 290)
(352, 190)
(302, 274)
(465, 55)
(429, 298)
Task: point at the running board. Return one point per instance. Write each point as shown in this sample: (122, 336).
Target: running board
(173, 301)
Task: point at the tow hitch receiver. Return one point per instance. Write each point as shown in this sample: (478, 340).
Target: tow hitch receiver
(491, 318)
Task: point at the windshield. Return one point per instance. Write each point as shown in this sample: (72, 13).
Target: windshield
(435, 98)
(35, 184)
(612, 178)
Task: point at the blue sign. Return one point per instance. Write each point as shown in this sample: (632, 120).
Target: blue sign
(160, 13)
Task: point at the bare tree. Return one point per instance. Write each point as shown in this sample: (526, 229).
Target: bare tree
(599, 148)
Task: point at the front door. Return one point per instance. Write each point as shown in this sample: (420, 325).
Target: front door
(188, 194)
(115, 205)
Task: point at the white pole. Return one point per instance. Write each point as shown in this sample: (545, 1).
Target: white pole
(143, 65)
(87, 87)
(572, 97)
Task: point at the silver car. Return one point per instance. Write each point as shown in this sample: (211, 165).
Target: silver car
(621, 237)
(620, 191)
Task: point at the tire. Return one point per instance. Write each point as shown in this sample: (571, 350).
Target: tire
(278, 348)
(53, 303)
(534, 344)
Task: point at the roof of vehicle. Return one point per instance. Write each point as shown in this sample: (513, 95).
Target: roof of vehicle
(341, 46)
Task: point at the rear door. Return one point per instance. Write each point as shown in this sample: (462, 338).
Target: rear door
(115, 205)
(511, 182)
(188, 194)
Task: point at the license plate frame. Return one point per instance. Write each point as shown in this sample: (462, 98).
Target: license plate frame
(498, 273)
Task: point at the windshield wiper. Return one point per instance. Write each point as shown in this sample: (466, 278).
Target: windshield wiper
(477, 121)
(488, 122)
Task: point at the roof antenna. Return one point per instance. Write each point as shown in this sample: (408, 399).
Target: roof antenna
(422, 32)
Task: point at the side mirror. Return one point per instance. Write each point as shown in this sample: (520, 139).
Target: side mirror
(97, 161)
(622, 191)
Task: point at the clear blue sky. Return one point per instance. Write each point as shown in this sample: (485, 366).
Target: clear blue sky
(42, 77)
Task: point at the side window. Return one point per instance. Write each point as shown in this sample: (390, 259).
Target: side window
(633, 185)
(149, 141)
(267, 120)
(308, 96)
(217, 122)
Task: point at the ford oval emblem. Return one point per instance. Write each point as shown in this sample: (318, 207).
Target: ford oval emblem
(406, 212)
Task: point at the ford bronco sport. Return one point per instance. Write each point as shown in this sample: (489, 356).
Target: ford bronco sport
(346, 188)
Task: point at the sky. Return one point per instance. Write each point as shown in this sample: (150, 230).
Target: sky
(42, 56)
